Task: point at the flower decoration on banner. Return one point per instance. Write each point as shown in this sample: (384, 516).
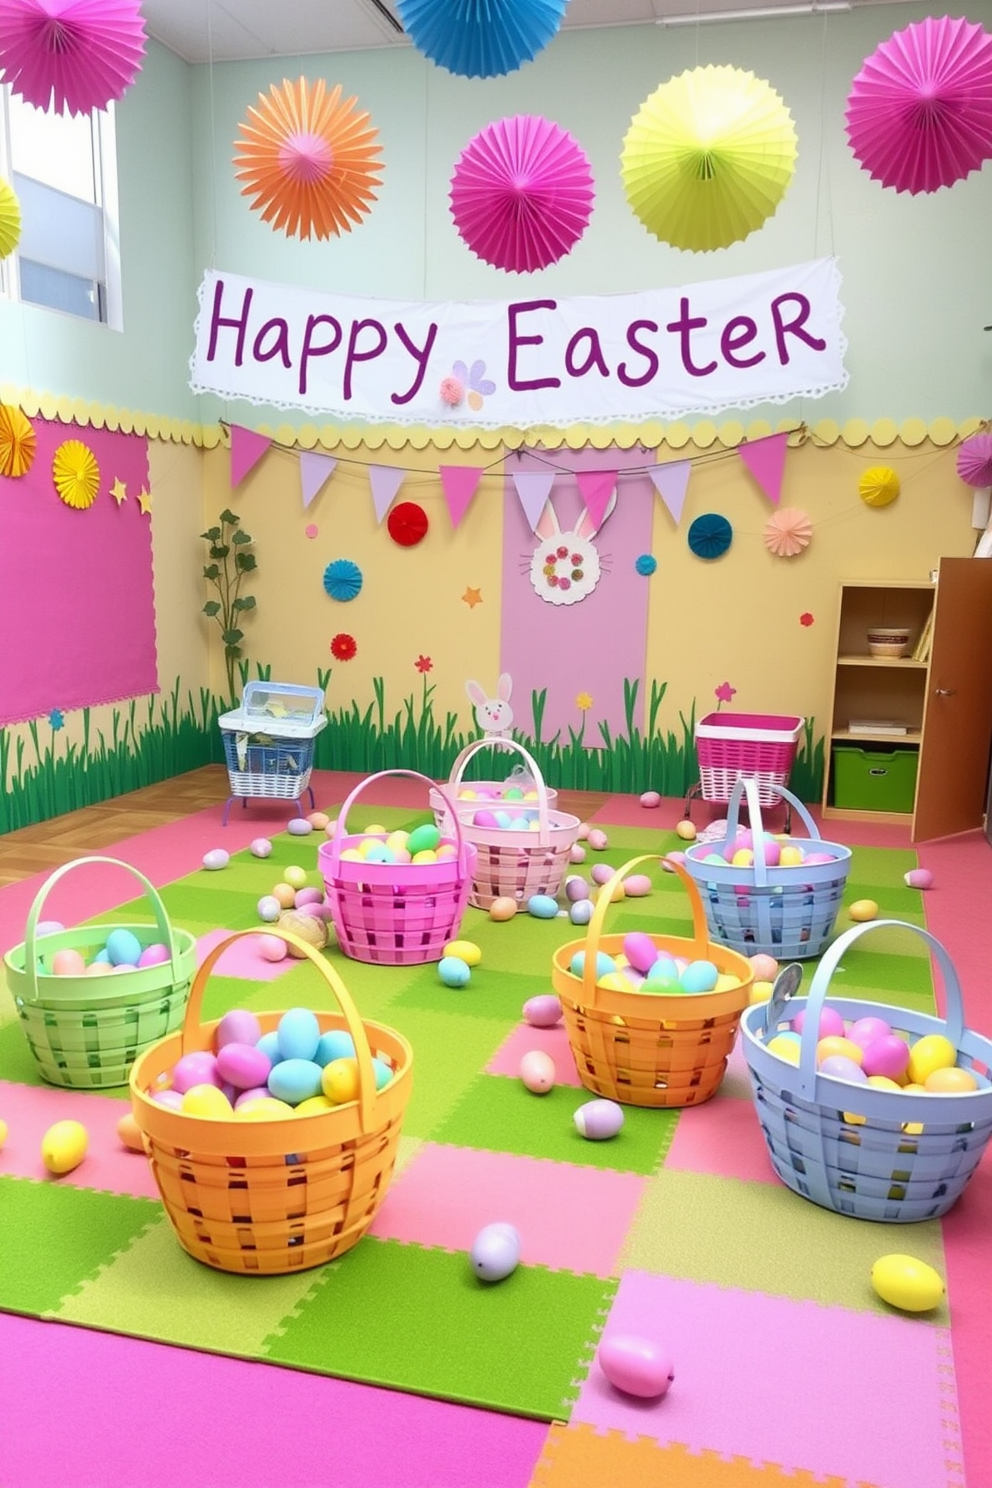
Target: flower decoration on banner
(343, 580)
(788, 532)
(480, 38)
(344, 647)
(474, 384)
(708, 157)
(710, 536)
(452, 391)
(919, 113)
(407, 524)
(10, 219)
(974, 460)
(878, 486)
(309, 161)
(72, 56)
(521, 194)
(17, 441)
(76, 474)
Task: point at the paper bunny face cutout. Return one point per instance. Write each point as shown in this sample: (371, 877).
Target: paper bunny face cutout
(565, 567)
(493, 714)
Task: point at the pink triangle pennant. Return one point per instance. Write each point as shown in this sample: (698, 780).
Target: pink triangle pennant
(533, 488)
(385, 481)
(315, 469)
(765, 458)
(459, 483)
(247, 448)
(596, 487)
(671, 481)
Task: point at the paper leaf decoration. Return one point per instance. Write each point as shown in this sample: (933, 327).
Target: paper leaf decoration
(878, 486)
(76, 474)
(10, 219)
(788, 532)
(975, 460)
(71, 55)
(309, 161)
(480, 38)
(17, 442)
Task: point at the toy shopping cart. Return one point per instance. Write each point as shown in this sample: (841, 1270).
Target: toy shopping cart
(731, 745)
(268, 742)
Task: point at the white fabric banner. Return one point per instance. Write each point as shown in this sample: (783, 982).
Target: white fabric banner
(661, 354)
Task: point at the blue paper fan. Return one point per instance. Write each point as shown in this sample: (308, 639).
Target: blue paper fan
(480, 38)
(710, 536)
(343, 579)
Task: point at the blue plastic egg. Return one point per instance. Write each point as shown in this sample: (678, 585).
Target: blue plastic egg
(699, 976)
(268, 908)
(542, 906)
(383, 1073)
(580, 913)
(299, 1035)
(604, 964)
(299, 827)
(294, 1080)
(495, 1252)
(123, 947)
(269, 1044)
(337, 1043)
(453, 971)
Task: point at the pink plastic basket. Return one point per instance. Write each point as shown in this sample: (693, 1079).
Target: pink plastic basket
(760, 745)
(394, 914)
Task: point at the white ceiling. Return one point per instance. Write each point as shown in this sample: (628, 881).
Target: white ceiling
(233, 30)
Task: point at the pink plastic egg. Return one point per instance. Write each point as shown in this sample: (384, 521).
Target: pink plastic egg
(543, 1011)
(68, 963)
(169, 1098)
(831, 1023)
(636, 885)
(640, 950)
(261, 847)
(197, 1068)
(576, 853)
(814, 858)
(635, 1365)
(238, 1026)
(888, 1055)
(272, 948)
(601, 873)
(765, 967)
(918, 878)
(597, 839)
(154, 955)
(771, 849)
(243, 1066)
(650, 799)
(864, 1031)
(484, 819)
(537, 1071)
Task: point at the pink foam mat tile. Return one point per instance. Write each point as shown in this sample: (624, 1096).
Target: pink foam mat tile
(862, 1397)
(568, 1218)
(30, 1110)
(524, 1038)
(966, 1231)
(242, 958)
(721, 1137)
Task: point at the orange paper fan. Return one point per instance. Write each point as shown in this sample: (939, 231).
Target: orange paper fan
(308, 161)
(17, 441)
(76, 474)
(788, 532)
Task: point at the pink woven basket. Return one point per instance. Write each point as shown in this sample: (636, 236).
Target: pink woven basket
(394, 914)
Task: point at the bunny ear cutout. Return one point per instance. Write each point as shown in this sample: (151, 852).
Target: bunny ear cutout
(598, 489)
(475, 692)
(547, 523)
(504, 687)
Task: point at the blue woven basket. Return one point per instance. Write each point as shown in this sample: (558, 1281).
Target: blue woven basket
(858, 1150)
(788, 913)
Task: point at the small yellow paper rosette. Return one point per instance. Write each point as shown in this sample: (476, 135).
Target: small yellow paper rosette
(10, 219)
(76, 474)
(17, 441)
(878, 486)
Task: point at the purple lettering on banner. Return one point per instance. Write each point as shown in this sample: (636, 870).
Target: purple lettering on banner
(733, 340)
(650, 356)
(513, 382)
(421, 355)
(793, 327)
(217, 320)
(312, 349)
(279, 347)
(594, 355)
(353, 354)
(685, 324)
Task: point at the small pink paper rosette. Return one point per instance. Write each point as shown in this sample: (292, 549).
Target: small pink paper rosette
(788, 532)
(71, 55)
(975, 460)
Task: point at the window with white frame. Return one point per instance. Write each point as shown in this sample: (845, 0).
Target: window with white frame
(63, 169)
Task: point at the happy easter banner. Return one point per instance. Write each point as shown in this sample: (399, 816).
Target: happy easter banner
(662, 353)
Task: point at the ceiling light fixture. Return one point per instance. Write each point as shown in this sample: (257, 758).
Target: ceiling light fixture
(765, 13)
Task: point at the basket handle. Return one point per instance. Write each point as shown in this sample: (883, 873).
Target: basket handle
(953, 1022)
(472, 749)
(162, 921)
(745, 785)
(340, 831)
(366, 1075)
(700, 933)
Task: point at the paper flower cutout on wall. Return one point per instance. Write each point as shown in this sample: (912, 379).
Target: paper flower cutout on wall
(480, 38)
(76, 474)
(975, 460)
(708, 157)
(407, 524)
(344, 647)
(919, 113)
(10, 219)
(343, 579)
(308, 160)
(788, 532)
(71, 55)
(710, 536)
(522, 193)
(646, 564)
(17, 442)
(878, 486)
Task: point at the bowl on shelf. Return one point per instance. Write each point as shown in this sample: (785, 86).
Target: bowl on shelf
(891, 641)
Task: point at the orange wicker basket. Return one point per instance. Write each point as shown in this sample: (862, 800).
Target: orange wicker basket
(271, 1197)
(646, 1048)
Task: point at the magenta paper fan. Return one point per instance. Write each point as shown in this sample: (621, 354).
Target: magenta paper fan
(71, 55)
(919, 113)
(975, 461)
(522, 193)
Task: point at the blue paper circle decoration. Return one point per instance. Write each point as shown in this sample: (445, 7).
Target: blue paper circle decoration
(343, 579)
(710, 536)
(480, 38)
(646, 564)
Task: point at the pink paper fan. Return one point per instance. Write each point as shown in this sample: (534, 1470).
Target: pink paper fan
(975, 461)
(788, 532)
(522, 193)
(919, 114)
(72, 55)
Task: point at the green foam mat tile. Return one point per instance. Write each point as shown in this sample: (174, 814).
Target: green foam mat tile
(488, 994)
(883, 866)
(447, 1055)
(207, 902)
(895, 901)
(16, 1060)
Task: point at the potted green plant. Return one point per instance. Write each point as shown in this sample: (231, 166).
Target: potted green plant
(230, 561)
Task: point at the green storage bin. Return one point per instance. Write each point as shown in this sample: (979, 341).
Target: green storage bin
(870, 780)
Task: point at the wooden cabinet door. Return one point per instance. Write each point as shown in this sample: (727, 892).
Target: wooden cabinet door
(957, 718)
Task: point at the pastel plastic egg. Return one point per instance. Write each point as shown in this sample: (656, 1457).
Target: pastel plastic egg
(597, 839)
(542, 906)
(284, 894)
(383, 1072)
(298, 1034)
(786, 1046)
(495, 1252)
(268, 908)
(537, 1071)
(295, 1080)
(243, 1065)
(260, 847)
(298, 826)
(576, 888)
(129, 1133)
(863, 909)
(314, 1105)
(48, 927)
(672, 860)
(263, 1109)
(336, 1043)
(543, 1011)
(604, 964)
(635, 1365)
(208, 1101)
(425, 838)
(918, 878)
(650, 799)
(699, 976)
(68, 962)
(616, 893)
(123, 947)
(830, 1025)
(601, 873)
(154, 955)
(760, 992)
(239, 1026)
(576, 853)
(502, 908)
(63, 1146)
(169, 1098)
(376, 829)
(864, 1031)
(765, 967)
(637, 885)
(790, 857)
(318, 820)
(582, 835)
(841, 1068)
(932, 1051)
(686, 830)
(888, 1055)
(484, 818)
(453, 971)
(598, 1120)
(742, 858)
(950, 1081)
(216, 858)
(296, 877)
(196, 1068)
(907, 1283)
(4, 1129)
(640, 950)
(465, 950)
(580, 913)
(340, 1080)
(836, 1044)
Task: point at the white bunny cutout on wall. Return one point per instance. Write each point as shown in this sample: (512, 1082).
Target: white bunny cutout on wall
(565, 567)
(493, 715)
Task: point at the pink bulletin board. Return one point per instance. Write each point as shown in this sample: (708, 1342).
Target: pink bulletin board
(77, 596)
(586, 648)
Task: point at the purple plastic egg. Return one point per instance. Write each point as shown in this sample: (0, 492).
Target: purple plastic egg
(308, 896)
(672, 858)
(598, 1120)
(197, 1068)
(216, 858)
(842, 1068)
(635, 1365)
(495, 1252)
(171, 1099)
(576, 888)
(268, 908)
(580, 913)
(261, 847)
(154, 955)
(601, 873)
(238, 1026)
(243, 1065)
(48, 927)
(543, 1011)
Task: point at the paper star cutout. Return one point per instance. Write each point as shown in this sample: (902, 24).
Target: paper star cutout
(472, 597)
(119, 491)
(145, 502)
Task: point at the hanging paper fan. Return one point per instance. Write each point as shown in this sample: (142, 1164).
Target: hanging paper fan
(878, 486)
(71, 55)
(708, 158)
(308, 160)
(975, 460)
(407, 524)
(710, 536)
(343, 579)
(480, 38)
(76, 474)
(521, 194)
(17, 442)
(788, 532)
(10, 219)
(919, 113)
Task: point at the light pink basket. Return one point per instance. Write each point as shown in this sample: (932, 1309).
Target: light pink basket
(394, 914)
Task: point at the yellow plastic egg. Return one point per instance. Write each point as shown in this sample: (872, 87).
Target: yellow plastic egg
(313, 1105)
(397, 839)
(743, 858)
(686, 831)
(785, 1048)
(760, 992)
(63, 1146)
(834, 1043)
(426, 855)
(3, 1132)
(130, 1133)
(726, 983)
(882, 1082)
(265, 1108)
(503, 908)
(950, 1081)
(206, 1100)
(339, 1080)
(863, 909)
(377, 830)
(465, 950)
(295, 876)
(351, 855)
(791, 857)
(931, 1052)
(614, 981)
(907, 1283)
(619, 892)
